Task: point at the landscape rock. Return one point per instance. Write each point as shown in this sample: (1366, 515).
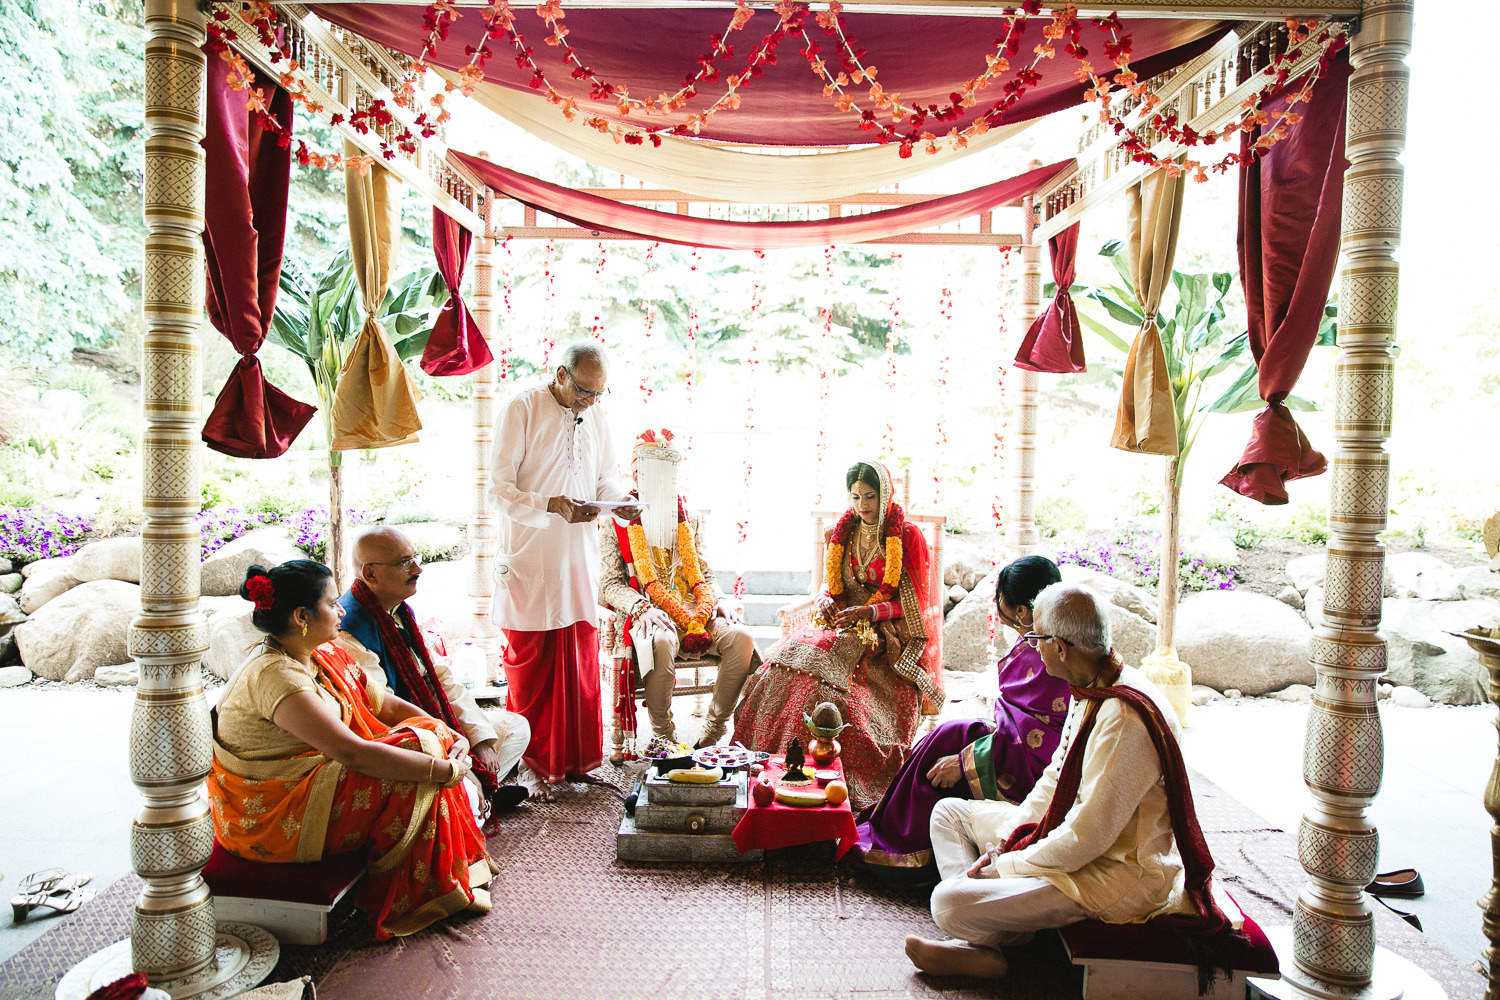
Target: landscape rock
(65, 407)
(1312, 606)
(14, 677)
(231, 636)
(1421, 653)
(120, 675)
(11, 614)
(1236, 639)
(1132, 636)
(1408, 697)
(1205, 695)
(84, 629)
(1232, 693)
(967, 631)
(1214, 547)
(11, 582)
(36, 566)
(1117, 592)
(1291, 597)
(1297, 693)
(1307, 571)
(952, 573)
(1417, 574)
(1478, 582)
(5, 566)
(108, 559)
(224, 571)
(8, 652)
(957, 593)
(46, 584)
(433, 540)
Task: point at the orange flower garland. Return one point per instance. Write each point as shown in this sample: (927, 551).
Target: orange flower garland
(696, 638)
(833, 568)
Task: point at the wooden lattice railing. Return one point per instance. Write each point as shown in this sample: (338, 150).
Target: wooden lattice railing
(345, 73)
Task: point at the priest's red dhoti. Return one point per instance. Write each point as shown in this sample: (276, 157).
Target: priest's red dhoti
(553, 678)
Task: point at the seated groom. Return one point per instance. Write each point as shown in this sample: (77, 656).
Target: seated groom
(654, 572)
(379, 629)
(1100, 834)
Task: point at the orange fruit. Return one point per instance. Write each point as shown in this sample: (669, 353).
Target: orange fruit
(837, 792)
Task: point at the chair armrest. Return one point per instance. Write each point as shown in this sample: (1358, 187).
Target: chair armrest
(794, 614)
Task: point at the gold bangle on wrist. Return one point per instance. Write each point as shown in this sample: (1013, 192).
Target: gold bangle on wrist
(457, 774)
(431, 762)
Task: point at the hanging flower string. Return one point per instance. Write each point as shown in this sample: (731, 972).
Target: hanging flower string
(597, 329)
(752, 378)
(689, 377)
(892, 338)
(825, 312)
(945, 338)
(548, 340)
(648, 306)
(997, 504)
(507, 273)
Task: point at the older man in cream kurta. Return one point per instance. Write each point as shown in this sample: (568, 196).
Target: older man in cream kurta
(552, 455)
(1113, 857)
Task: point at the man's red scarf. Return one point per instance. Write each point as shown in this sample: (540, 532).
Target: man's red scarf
(1197, 862)
(416, 671)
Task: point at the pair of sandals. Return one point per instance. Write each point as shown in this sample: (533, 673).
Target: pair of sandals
(53, 889)
(1405, 883)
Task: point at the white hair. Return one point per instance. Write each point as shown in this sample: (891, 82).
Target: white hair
(1074, 614)
(583, 350)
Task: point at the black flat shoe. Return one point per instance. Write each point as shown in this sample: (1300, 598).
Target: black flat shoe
(1403, 884)
(509, 796)
(1410, 918)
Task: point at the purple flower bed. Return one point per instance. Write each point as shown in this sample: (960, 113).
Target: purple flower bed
(1134, 553)
(225, 524)
(309, 528)
(31, 533)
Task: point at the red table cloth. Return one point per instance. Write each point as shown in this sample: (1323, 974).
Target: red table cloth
(777, 825)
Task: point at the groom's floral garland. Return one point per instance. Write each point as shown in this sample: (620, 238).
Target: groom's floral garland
(694, 625)
(833, 569)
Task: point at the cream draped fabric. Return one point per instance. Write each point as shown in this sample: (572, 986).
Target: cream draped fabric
(1146, 421)
(375, 404)
(710, 170)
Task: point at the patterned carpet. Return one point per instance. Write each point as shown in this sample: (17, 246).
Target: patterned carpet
(571, 922)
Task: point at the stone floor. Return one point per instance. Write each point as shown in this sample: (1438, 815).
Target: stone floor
(69, 801)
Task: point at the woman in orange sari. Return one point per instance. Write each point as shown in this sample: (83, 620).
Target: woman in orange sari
(311, 760)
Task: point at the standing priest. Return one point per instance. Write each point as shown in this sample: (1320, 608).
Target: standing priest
(553, 457)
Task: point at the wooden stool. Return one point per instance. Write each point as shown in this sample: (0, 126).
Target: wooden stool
(290, 901)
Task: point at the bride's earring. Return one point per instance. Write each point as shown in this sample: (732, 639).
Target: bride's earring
(304, 630)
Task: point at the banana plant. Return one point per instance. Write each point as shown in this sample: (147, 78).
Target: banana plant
(1200, 344)
(318, 318)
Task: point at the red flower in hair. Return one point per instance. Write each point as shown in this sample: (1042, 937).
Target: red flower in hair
(261, 592)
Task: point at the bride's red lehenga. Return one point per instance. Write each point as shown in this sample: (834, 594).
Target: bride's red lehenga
(882, 693)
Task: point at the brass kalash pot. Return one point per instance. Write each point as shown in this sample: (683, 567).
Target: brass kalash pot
(825, 723)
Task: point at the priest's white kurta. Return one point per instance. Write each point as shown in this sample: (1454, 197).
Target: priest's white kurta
(547, 570)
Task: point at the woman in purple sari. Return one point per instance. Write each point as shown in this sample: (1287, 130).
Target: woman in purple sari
(974, 759)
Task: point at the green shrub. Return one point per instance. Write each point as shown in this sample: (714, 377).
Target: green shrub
(215, 493)
(280, 504)
(1308, 525)
(1247, 534)
(1059, 515)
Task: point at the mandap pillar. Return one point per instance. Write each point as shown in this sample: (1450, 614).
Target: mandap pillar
(1021, 536)
(174, 937)
(1333, 930)
(483, 521)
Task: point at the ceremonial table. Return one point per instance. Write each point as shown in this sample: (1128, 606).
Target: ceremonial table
(778, 825)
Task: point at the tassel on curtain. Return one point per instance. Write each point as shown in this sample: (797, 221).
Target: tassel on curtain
(456, 345)
(1291, 211)
(375, 405)
(246, 177)
(1146, 421)
(1054, 343)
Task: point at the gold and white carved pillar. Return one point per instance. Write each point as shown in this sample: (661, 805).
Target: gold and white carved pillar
(1333, 932)
(1021, 536)
(172, 928)
(483, 521)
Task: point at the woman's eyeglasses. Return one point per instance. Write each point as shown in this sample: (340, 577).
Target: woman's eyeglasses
(1035, 638)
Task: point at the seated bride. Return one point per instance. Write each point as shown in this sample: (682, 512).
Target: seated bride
(311, 760)
(873, 645)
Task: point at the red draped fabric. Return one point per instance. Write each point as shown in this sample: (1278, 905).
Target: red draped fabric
(246, 176)
(553, 680)
(604, 215)
(456, 345)
(1054, 343)
(923, 57)
(1291, 207)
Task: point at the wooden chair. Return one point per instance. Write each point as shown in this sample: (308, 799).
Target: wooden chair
(695, 675)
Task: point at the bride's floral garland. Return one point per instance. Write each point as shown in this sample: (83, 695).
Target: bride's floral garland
(693, 624)
(833, 567)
